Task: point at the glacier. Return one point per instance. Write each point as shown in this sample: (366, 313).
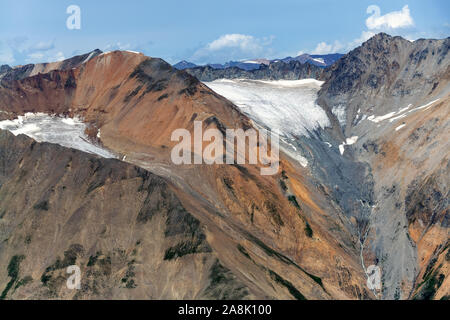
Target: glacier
(288, 107)
(67, 132)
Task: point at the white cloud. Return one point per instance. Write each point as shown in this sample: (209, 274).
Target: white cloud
(235, 40)
(391, 20)
(18, 44)
(375, 23)
(35, 56)
(233, 46)
(139, 47)
(21, 49)
(117, 46)
(42, 46)
(325, 48)
(6, 57)
(365, 35)
(59, 56)
(40, 56)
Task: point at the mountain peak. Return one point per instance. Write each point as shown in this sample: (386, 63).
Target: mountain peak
(382, 39)
(183, 64)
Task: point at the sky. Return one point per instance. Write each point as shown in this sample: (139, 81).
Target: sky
(209, 31)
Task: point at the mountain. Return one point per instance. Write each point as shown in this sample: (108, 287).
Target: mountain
(184, 65)
(292, 70)
(4, 69)
(394, 94)
(280, 229)
(84, 201)
(382, 154)
(244, 65)
(328, 59)
(317, 60)
(301, 67)
(362, 180)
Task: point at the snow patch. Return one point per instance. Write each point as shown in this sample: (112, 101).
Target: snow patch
(381, 118)
(340, 113)
(347, 142)
(400, 114)
(426, 106)
(342, 148)
(67, 132)
(88, 58)
(319, 60)
(302, 160)
(352, 140)
(130, 51)
(397, 117)
(400, 126)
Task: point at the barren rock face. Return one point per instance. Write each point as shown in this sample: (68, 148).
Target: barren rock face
(290, 70)
(394, 95)
(374, 191)
(123, 226)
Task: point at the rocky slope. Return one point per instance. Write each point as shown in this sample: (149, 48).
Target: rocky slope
(395, 96)
(126, 228)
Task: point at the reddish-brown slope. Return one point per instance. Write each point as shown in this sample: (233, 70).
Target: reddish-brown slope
(283, 223)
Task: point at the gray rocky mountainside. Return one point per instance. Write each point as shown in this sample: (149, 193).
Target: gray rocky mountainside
(394, 95)
(375, 190)
(386, 71)
(321, 60)
(291, 70)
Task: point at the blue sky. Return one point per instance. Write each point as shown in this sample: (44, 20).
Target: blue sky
(210, 31)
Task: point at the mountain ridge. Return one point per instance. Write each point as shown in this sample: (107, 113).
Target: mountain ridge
(320, 60)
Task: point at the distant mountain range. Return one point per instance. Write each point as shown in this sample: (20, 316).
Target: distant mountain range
(317, 60)
(325, 60)
(279, 70)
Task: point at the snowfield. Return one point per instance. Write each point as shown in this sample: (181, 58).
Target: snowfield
(67, 132)
(288, 107)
